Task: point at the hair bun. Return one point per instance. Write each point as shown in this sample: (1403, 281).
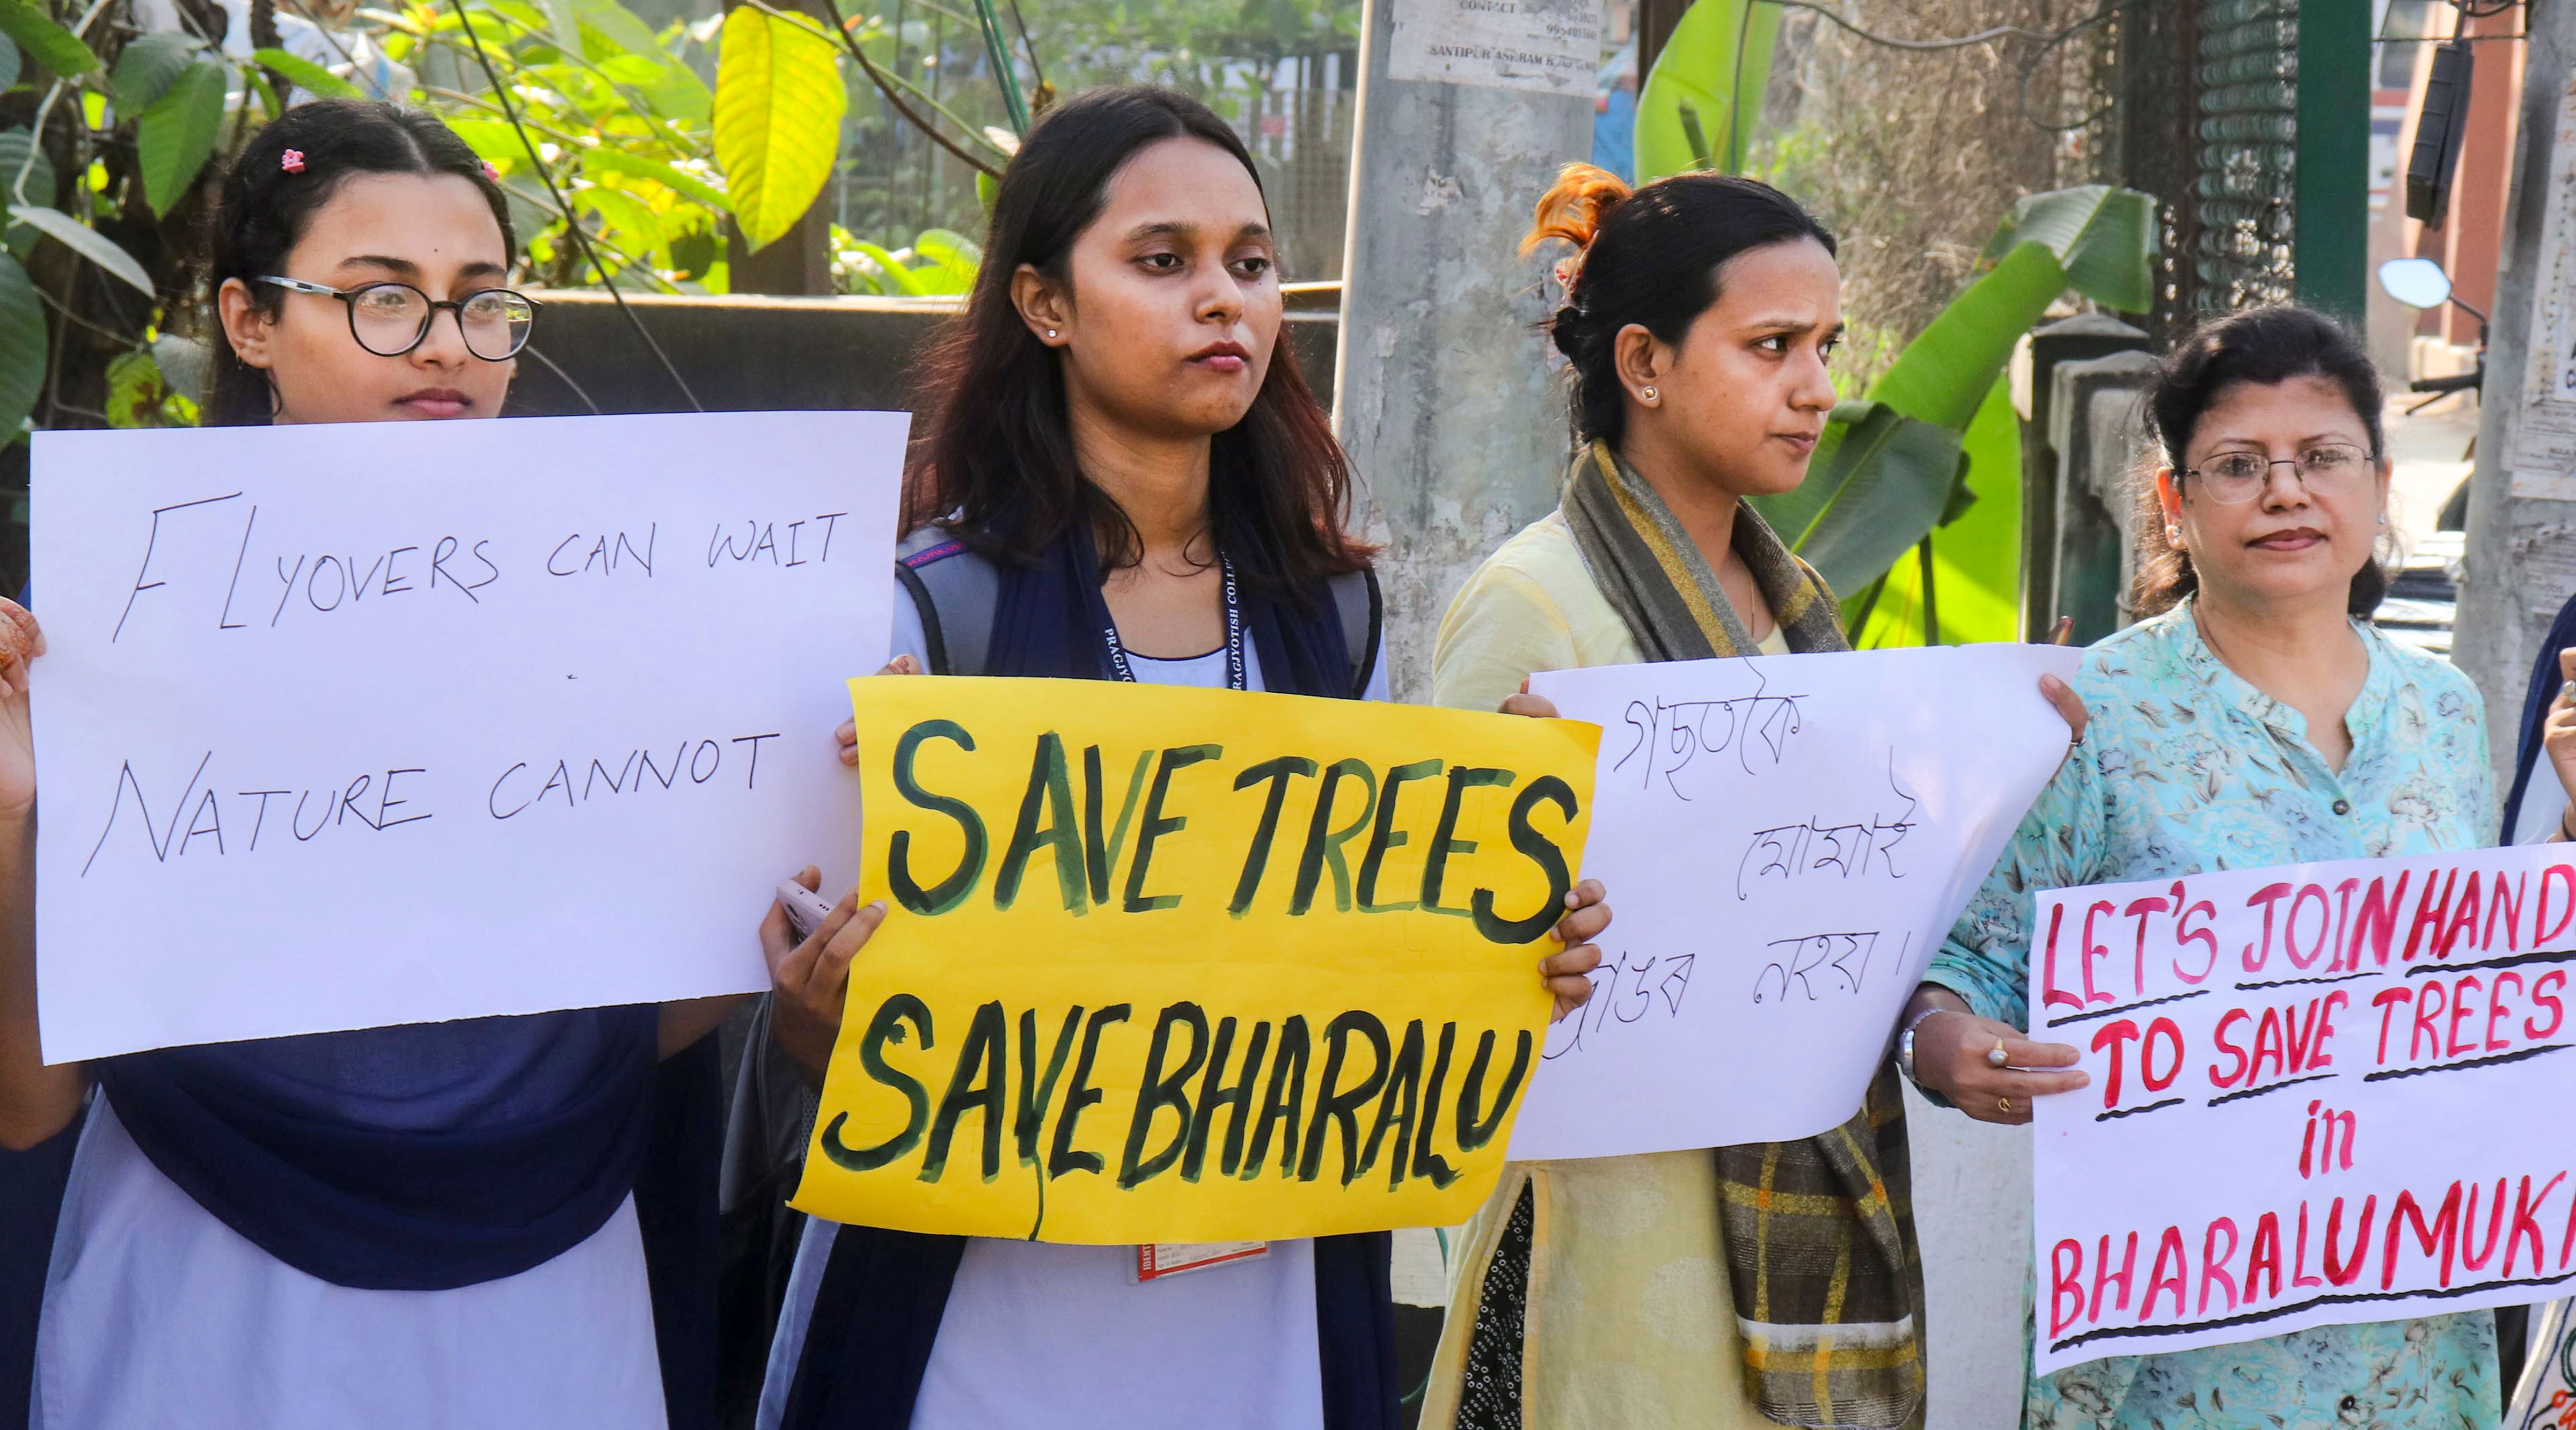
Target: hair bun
(1566, 329)
(1575, 207)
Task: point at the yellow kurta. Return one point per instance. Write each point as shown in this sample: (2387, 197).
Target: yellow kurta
(1631, 1321)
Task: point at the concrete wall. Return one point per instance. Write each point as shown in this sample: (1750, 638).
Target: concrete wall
(760, 354)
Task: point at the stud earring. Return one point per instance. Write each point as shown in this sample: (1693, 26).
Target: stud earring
(2173, 534)
(1050, 332)
(1649, 394)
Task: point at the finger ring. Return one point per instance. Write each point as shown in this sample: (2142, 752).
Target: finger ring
(1995, 1056)
(2567, 691)
(2004, 1106)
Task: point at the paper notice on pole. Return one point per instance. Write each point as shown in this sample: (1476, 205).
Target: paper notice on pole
(345, 726)
(2319, 1095)
(1550, 46)
(1785, 840)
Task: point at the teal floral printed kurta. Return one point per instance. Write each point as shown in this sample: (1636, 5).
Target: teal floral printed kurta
(2186, 767)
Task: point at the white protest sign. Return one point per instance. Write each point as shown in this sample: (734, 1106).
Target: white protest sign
(2320, 1094)
(1785, 840)
(345, 726)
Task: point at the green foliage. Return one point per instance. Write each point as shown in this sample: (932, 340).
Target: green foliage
(1878, 487)
(621, 126)
(175, 136)
(22, 348)
(938, 264)
(34, 33)
(1702, 82)
(306, 75)
(8, 61)
(138, 396)
(18, 151)
(779, 101)
(1976, 556)
(148, 67)
(1879, 479)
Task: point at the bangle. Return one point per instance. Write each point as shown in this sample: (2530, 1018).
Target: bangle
(1905, 1043)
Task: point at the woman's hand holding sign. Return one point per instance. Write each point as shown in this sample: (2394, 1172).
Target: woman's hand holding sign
(1954, 1055)
(809, 981)
(1587, 904)
(848, 733)
(21, 641)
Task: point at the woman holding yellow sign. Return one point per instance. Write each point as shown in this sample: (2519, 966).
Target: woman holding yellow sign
(1122, 478)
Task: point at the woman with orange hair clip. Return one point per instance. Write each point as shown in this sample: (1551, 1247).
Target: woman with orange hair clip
(1740, 1286)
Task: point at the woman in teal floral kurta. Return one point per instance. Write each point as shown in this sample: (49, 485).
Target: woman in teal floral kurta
(2261, 721)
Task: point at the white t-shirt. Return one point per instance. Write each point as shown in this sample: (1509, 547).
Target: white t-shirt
(1046, 1337)
(157, 1315)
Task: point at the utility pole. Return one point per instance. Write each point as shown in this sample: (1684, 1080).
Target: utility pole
(1447, 399)
(2522, 497)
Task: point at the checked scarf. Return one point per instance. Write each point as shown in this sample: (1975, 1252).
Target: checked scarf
(1820, 1232)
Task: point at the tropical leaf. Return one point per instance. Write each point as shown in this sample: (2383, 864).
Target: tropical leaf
(306, 75)
(2105, 239)
(16, 148)
(174, 137)
(495, 140)
(637, 166)
(149, 65)
(1976, 554)
(1880, 482)
(954, 255)
(1701, 67)
(779, 101)
(48, 44)
(22, 348)
(8, 61)
(903, 280)
(1944, 373)
(88, 242)
(632, 224)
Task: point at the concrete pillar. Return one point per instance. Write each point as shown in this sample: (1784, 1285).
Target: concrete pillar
(1448, 403)
(2521, 549)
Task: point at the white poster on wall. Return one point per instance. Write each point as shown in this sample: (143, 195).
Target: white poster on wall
(2320, 1094)
(344, 726)
(1546, 46)
(1785, 841)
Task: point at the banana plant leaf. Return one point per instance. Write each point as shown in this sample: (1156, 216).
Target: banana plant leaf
(1976, 556)
(1853, 517)
(1700, 67)
(1879, 479)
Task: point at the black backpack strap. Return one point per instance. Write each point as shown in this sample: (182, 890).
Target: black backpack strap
(1362, 607)
(955, 591)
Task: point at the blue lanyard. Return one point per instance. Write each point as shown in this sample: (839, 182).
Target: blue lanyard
(1235, 678)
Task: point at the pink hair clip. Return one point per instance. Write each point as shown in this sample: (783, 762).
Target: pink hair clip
(292, 161)
(491, 171)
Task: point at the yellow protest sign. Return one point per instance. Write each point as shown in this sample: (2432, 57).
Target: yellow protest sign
(1170, 964)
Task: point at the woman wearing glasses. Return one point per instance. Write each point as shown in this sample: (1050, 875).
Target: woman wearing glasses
(2251, 717)
(424, 1226)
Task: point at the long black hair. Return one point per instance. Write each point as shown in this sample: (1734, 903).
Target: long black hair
(1649, 257)
(2271, 344)
(995, 457)
(264, 207)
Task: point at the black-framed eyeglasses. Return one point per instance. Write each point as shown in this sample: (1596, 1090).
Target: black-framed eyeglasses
(390, 319)
(2326, 469)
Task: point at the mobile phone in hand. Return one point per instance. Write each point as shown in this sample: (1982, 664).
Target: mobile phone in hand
(806, 909)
